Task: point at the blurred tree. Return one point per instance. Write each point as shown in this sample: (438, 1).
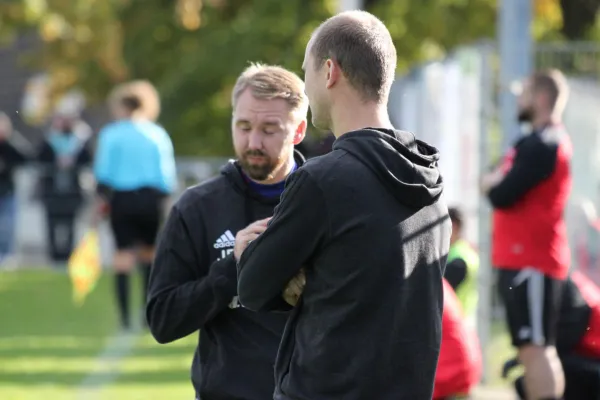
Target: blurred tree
(579, 16)
(194, 49)
(426, 29)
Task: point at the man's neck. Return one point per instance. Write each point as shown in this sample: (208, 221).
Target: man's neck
(352, 115)
(545, 120)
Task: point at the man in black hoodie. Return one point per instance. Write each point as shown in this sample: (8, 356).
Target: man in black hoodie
(366, 225)
(193, 281)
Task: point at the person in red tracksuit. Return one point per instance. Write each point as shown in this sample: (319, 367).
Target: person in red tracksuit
(459, 364)
(578, 341)
(530, 249)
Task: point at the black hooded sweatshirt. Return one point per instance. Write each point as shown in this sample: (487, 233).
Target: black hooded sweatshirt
(193, 285)
(367, 224)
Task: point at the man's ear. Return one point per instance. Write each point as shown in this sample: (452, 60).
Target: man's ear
(334, 72)
(300, 132)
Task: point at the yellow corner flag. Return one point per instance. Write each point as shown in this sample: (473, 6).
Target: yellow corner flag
(85, 266)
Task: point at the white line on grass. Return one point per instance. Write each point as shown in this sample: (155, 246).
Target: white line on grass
(106, 369)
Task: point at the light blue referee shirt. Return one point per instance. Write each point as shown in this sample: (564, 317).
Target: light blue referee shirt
(132, 155)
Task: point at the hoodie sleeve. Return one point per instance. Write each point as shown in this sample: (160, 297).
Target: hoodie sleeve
(297, 229)
(184, 293)
(534, 162)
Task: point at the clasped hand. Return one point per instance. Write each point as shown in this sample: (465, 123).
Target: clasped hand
(292, 292)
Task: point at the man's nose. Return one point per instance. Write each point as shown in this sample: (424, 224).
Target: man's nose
(255, 140)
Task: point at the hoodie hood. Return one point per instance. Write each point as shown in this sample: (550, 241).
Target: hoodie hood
(233, 172)
(405, 165)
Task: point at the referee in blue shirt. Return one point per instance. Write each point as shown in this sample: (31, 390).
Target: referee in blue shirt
(135, 171)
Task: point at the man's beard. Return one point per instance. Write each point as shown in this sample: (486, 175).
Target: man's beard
(525, 115)
(258, 172)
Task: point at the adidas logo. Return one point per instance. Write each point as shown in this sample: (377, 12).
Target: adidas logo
(226, 240)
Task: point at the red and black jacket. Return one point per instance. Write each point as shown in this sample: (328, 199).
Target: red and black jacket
(579, 323)
(459, 364)
(529, 228)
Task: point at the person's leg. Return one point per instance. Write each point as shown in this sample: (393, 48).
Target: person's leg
(63, 237)
(7, 225)
(123, 262)
(146, 255)
(52, 226)
(69, 243)
(149, 227)
(532, 304)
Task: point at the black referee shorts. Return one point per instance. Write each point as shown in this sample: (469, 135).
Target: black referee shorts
(532, 301)
(135, 217)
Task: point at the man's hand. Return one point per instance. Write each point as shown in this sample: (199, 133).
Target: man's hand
(295, 287)
(490, 180)
(65, 162)
(100, 211)
(248, 234)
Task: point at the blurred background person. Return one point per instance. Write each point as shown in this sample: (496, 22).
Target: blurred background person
(460, 363)
(584, 231)
(62, 155)
(462, 266)
(135, 173)
(10, 158)
(578, 342)
(530, 247)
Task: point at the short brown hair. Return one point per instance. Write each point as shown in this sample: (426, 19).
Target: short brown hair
(272, 82)
(456, 216)
(139, 95)
(362, 45)
(554, 84)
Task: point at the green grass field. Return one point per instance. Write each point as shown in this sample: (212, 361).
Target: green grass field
(49, 348)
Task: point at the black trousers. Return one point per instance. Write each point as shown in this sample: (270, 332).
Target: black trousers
(61, 235)
(582, 376)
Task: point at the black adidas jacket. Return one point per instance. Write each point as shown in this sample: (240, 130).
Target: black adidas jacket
(193, 286)
(367, 224)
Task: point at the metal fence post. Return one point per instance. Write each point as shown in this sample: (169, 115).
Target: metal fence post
(348, 5)
(516, 58)
(484, 310)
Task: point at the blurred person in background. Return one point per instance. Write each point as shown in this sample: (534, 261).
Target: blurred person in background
(135, 173)
(193, 285)
(11, 157)
(578, 340)
(460, 364)
(62, 155)
(462, 266)
(584, 229)
(530, 248)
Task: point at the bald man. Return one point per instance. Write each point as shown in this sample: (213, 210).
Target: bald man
(363, 230)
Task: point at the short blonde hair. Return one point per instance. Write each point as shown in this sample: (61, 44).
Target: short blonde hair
(139, 93)
(272, 82)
